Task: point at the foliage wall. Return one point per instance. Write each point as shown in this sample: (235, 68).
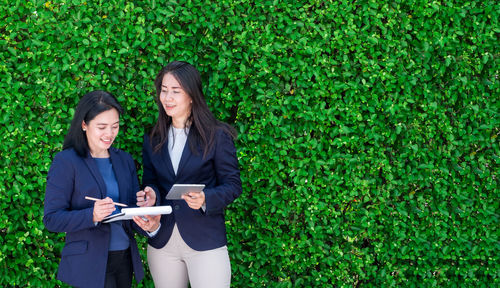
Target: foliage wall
(368, 130)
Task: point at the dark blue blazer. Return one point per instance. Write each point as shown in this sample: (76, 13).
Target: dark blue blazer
(85, 253)
(218, 170)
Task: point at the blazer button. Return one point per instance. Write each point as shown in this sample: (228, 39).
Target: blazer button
(176, 207)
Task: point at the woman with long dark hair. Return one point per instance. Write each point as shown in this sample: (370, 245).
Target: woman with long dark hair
(95, 254)
(189, 146)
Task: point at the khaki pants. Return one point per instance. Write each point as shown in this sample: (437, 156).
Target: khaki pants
(175, 264)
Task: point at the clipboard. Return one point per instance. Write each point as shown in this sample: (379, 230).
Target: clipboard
(178, 190)
(128, 213)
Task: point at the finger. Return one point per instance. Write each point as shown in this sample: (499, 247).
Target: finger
(192, 204)
(147, 193)
(107, 200)
(153, 218)
(103, 203)
(145, 225)
(104, 213)
(193, 195)
(139, 222)
(141, 198)
(150, 193)
(104, 209)
(153, 221)
(189, 202)
(140, 195)
(194, 201)
(106, 206)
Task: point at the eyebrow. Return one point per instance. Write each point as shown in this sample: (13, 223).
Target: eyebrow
(171, 87)
(117, 122)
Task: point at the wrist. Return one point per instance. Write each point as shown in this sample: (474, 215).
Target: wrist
(154, 228)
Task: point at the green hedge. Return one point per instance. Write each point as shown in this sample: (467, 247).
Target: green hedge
(368, 132)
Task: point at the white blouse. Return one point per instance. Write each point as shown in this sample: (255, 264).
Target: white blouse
(177, 138)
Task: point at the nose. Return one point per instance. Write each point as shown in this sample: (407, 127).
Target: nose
(109, 131)
(166, 96)
(169, 96)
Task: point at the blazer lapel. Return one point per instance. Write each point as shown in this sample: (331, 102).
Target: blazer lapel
(186, 154)
(167, 162)
(117, 164)
(97, 175)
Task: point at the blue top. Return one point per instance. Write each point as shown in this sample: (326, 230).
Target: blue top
(119, 239)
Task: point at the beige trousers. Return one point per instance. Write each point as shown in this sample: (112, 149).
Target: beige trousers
(176, 264)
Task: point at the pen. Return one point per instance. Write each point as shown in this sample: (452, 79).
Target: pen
(95, 199)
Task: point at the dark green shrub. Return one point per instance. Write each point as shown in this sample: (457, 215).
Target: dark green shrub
(367, 131)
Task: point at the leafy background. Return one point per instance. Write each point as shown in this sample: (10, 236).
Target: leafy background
(368, 131)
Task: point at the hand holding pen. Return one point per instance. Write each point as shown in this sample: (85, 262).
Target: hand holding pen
(103, 207)
(146, 197)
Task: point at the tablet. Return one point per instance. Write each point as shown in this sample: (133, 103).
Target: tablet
(178, 190)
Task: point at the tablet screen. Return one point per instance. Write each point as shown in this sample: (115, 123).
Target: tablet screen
(178, 190)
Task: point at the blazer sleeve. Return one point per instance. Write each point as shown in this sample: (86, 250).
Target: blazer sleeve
(149, 177)
(58, 213)
(227, 173)
(134, 181)
(132, 198)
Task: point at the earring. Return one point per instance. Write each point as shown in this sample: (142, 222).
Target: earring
(84, 130)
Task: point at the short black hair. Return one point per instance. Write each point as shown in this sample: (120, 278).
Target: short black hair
(91, 105)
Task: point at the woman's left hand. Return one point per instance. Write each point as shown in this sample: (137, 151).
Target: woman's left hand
(194, 199)
(150, 225)
(146, 197)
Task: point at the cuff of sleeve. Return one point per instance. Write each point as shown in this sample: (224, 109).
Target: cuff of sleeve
(153, 234)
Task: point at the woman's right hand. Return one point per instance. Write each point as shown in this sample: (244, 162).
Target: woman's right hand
(103, 208)
(148, 223)
(146, 197)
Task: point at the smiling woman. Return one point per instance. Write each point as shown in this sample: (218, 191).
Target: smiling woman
(95, 254)
(188, 145)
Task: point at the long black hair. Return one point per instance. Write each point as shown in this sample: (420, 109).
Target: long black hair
(91, 105)
(203, 123)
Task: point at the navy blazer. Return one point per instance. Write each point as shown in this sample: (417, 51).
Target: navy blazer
(218, 170)
(85, 253)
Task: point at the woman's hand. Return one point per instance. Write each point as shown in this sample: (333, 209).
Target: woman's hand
(194, 199)
(150, 224)
(146, 197)
(103, 208)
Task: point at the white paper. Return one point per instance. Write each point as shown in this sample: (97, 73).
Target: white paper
(128, 213)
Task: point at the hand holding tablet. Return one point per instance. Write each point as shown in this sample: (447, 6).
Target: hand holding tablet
(178, 190)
